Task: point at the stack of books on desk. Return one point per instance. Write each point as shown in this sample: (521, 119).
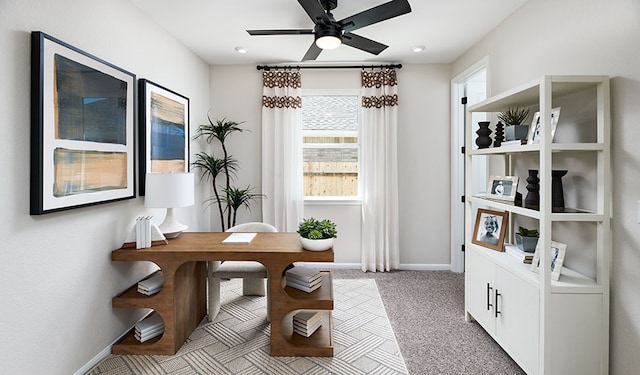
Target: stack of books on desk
(305, 323)
(520, 254)
(152, 284)
(303, 278)
(149, 327)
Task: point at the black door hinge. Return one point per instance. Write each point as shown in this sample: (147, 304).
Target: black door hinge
(463, 100)
(462, 248)
(462, 149)
(462, 199)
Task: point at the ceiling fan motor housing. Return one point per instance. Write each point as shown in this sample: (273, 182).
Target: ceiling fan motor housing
(329, 4)
(332, 29)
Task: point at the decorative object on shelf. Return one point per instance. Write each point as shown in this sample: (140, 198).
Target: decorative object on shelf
(513, 118)
(164, 131)
(490, 228)
(532, 200)
(483, 140)
(503, 188)
(527, 239)
(303, 278)
(557, 192)
(170, 190)
(212, 167)
(558, 251)
(82, 128)
(534, 129)
(499, 137)
(317, 235)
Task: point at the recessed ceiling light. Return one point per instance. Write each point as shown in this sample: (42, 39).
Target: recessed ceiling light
(417, 49)
(241, 49)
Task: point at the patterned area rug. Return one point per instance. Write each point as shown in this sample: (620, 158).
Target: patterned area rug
(237, 342)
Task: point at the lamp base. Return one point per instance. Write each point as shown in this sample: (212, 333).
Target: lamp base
(170, 227)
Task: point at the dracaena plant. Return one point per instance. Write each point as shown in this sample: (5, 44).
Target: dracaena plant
(227, 198)
(514, 116)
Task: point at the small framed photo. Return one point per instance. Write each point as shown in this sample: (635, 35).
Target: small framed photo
(502, 188)
(558, 251)
(534, 129)
(490, 228)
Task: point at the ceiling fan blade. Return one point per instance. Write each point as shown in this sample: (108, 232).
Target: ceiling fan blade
(312, 53)
(281, 32)
(314, 10)
(362, 43)
(382, 12)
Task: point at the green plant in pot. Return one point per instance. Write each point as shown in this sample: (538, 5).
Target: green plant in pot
(513, 119)
(527, 239)
(317, 235)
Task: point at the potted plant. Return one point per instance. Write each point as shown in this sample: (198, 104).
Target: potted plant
(317, 235)
(527, 239)
(513, 119)
(226, 197)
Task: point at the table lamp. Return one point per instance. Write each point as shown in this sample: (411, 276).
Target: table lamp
(169, 190)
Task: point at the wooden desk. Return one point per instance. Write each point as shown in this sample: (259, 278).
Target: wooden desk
(182, 300)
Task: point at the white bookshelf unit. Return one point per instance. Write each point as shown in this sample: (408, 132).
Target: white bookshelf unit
(547, 326)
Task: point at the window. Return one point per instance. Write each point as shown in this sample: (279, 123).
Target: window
(330, 145)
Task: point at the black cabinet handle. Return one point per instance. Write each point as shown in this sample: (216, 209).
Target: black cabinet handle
(496, 299)
(489, 289)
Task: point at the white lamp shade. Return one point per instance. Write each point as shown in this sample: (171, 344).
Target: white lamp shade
(168, 190)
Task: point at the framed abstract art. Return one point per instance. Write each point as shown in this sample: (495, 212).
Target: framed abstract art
(82, 128)
(164, 131)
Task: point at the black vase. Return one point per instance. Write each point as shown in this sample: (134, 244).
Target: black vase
(483, 140)
(499, 137)
(532, 200)
(557, 192)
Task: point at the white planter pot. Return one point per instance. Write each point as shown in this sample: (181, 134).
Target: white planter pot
(317, 245)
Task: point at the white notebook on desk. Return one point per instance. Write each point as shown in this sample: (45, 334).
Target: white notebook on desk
(238, 237)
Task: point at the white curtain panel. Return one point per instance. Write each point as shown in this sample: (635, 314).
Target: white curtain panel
(380, 239)
(282, 150)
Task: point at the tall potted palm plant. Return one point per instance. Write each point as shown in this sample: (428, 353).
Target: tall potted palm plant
(227, 198)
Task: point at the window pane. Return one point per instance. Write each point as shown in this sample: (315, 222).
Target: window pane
(330, 145)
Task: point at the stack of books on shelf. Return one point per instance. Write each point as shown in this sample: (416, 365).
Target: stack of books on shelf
(152, 284)
(303, 278)
(520, 254)
(143, 232)
(305, 323)
(149, 327)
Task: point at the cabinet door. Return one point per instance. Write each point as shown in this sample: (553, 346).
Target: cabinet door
(479, 289)
(517, 303)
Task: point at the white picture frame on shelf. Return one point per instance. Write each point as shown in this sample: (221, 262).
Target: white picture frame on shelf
(536, 126)
(558, 252)
(502, 188)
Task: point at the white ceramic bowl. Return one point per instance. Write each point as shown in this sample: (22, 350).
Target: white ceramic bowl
(317, 245)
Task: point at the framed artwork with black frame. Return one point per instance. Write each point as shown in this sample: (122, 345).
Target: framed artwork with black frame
(82, 128)
(557, 254)
(502, 188)
(490, 229)
(164, 131)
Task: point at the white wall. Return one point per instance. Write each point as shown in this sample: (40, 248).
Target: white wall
(56, 276)
(423, 133)
(588, 37)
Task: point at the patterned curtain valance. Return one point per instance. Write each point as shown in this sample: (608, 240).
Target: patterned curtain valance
(383, 85)
(281, 84)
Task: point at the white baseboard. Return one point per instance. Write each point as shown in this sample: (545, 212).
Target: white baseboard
(95, 360)
(356, 266)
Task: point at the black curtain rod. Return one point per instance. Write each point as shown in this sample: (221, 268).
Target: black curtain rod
(292, 67)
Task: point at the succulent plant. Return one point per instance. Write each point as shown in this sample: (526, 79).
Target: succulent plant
(514, 116)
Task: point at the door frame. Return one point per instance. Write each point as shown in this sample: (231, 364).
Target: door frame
(458, 115)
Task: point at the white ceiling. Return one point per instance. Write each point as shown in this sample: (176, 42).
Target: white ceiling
(213, 28)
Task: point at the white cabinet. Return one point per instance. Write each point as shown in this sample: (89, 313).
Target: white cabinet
(547, 326)
(506, 306)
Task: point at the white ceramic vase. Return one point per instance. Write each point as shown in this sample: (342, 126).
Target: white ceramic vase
(317, 245)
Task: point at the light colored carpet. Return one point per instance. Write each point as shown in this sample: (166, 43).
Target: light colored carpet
(237, 342)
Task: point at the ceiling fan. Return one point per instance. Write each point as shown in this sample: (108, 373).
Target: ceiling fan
(329, 33)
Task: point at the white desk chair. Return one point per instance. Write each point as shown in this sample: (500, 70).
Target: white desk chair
(252, 273)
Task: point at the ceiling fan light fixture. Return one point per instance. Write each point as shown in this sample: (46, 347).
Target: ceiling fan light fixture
(417, 48)
(328, 36)
(328, 42)
(241, 49)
